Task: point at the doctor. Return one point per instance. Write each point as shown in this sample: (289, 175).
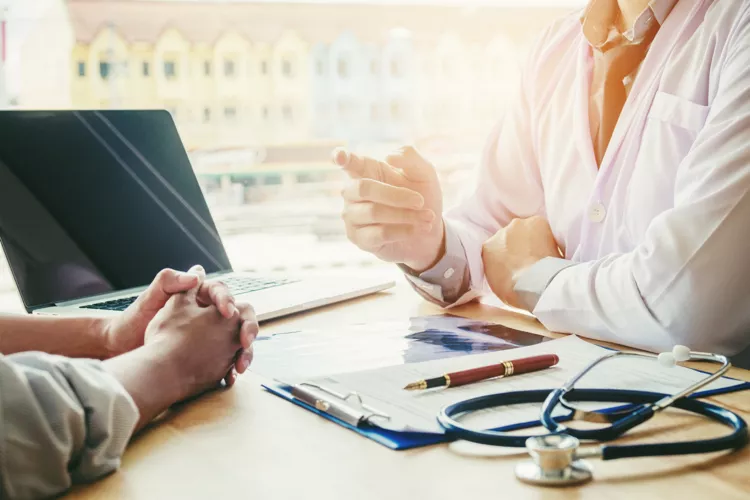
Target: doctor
(613, 200)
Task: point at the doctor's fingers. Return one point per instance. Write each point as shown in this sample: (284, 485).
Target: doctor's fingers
(384, 194)
(364, 167)
(373, 238)
(368, 213)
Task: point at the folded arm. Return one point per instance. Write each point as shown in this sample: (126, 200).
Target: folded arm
(689, 280)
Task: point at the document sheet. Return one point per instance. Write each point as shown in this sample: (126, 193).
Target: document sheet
(382, 388)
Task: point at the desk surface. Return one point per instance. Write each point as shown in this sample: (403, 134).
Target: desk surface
(249, 443)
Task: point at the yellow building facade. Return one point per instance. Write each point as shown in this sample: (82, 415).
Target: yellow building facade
(222, 94)
(258, 73)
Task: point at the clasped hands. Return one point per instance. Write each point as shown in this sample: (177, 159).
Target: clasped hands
(176, 308)
(392, 209)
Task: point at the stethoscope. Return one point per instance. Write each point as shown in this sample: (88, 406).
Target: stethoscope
(556, 459)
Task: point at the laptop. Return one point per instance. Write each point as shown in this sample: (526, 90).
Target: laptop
(93, 204)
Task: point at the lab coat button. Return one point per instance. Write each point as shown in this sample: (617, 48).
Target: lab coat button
(597, 212)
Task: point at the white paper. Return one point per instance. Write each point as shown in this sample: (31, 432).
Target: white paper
(382, 388)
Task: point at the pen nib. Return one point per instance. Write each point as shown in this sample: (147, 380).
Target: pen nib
(415, 386)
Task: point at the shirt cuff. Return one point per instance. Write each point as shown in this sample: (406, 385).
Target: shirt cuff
(447, 280)
(533, 281)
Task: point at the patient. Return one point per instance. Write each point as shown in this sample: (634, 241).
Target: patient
(65, 420)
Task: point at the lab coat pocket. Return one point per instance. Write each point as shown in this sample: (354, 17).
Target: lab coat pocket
(677, 111)
(671, 127)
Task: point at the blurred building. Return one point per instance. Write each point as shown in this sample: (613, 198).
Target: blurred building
(260, 72)
(244, 77)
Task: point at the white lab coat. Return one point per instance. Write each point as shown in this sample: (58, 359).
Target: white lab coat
(660, 233)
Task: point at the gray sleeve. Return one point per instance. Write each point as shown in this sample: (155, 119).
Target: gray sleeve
(533, 281)
(448, 280)
(62, 421)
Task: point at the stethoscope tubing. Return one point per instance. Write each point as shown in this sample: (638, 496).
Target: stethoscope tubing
(635, 417)
(737, 439)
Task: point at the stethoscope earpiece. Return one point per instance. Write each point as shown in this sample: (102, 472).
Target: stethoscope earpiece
(667, 359)
(681, 353)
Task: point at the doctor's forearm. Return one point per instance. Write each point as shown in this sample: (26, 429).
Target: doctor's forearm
(72, 337)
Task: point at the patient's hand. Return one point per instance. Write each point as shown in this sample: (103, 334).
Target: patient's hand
(126, 331)
(188, 349)
(199, 343)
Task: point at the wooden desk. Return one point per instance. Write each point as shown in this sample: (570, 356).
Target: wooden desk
(247, 443)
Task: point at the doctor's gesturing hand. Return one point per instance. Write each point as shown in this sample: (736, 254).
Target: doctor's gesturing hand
(393, 209)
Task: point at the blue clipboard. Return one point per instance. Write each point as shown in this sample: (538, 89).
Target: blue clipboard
(407, 440)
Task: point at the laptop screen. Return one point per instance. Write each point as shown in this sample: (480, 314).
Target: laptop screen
(98, 201)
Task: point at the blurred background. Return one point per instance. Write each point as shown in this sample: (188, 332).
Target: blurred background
(263, 91)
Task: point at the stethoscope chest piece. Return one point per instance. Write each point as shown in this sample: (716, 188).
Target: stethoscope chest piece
(553, 462)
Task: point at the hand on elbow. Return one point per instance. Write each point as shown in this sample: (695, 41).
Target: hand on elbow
(513, 249)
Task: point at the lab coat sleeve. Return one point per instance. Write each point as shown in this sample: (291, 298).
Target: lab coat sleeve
(688, 282)
(447, 282)
(62, 421)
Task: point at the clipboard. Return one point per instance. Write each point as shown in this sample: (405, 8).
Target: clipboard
(338, 408)
(390, 439)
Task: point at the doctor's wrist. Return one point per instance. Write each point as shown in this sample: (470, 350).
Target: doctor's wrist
(433, 253)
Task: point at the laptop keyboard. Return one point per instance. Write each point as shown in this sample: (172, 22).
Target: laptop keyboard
(112, 305)
(236, 284)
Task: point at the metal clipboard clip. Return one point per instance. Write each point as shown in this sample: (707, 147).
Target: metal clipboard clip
(348, 408)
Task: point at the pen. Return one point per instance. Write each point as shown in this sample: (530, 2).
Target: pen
(504, 369)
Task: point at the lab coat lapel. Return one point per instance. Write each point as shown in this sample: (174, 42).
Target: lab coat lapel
(582, 127)
(684, 19)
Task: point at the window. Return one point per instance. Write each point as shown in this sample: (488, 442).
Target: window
(343, 68)
(145, 68)
(287, 113)
(170, 69)
(396, 70)
(230, 113)
(447, 67)
(206, 115)
(320, 67)
(229, 69)
(374, 112)
(344, 109)
(286, 68)
(264, 67)
(105, 69)
(374, 67)
(308, 177)
(396, 110)
(207, 68)
(81, 68)
(272, 180)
